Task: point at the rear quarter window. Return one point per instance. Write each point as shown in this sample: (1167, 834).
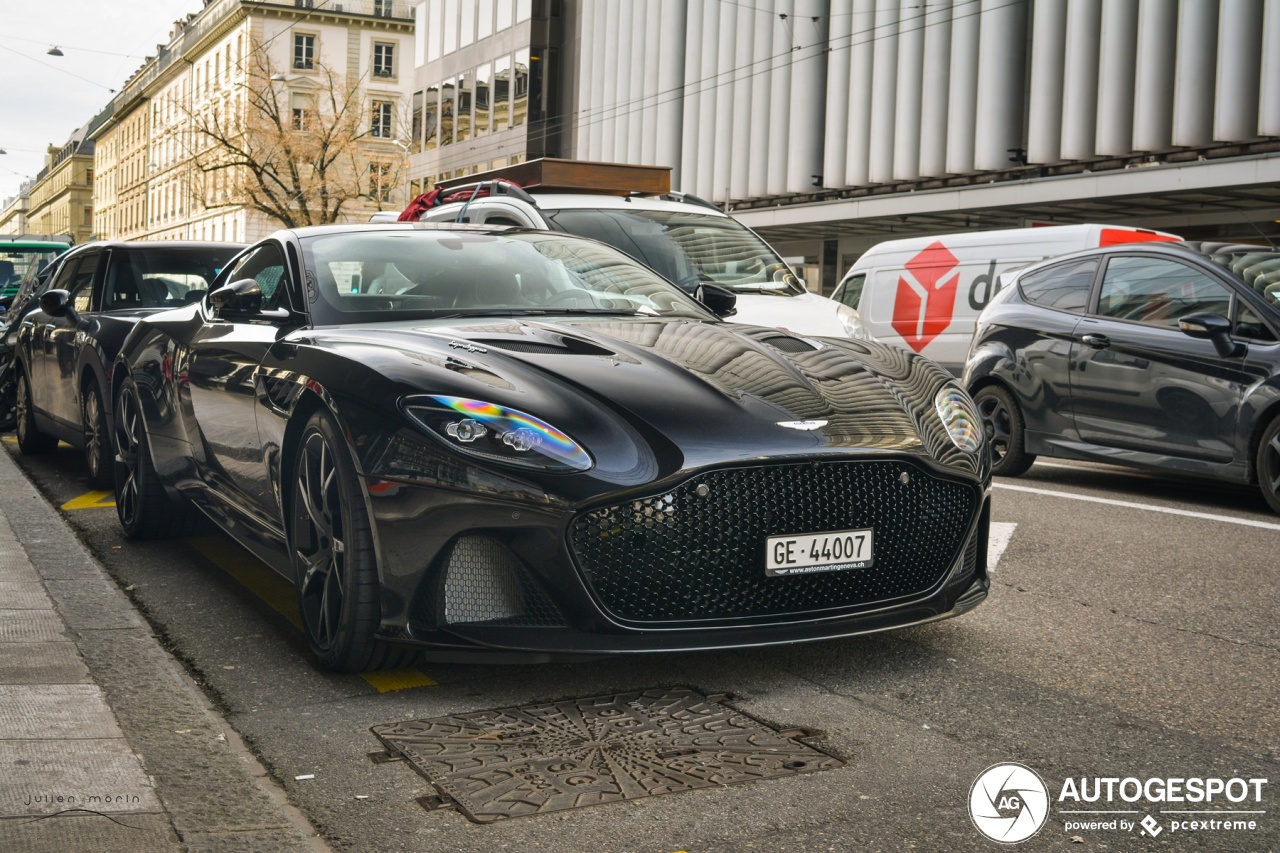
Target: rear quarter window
(1062, 287)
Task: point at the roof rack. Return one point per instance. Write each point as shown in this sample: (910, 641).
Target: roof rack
(550, 174)
(689, 198)
(489, 187)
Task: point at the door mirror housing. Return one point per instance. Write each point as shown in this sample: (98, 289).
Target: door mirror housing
(718, 300)
(55, 303)
(1215, 328)
(242, 300)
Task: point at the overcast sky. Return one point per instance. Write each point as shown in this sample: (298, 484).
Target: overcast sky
(43, 98)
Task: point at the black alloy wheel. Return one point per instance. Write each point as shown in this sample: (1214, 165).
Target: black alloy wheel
(1002, 422)
(333, 555)
(143, 506)
(97, 437)
(1268, 463)
(30, 439)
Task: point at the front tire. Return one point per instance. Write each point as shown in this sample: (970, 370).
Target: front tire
(143, 506)
(1268, 464)
(335, 564)
(97, 437)
(31, 440)
(1002, 421)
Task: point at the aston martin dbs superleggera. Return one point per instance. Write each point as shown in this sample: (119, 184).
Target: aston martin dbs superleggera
(464, 440)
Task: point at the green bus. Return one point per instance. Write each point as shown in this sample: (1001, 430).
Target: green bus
(23, 257)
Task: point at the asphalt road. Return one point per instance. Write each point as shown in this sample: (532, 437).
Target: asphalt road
(1132, 632)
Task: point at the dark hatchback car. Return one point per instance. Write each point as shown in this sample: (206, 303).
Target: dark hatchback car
(65, 345)
(1160, 356)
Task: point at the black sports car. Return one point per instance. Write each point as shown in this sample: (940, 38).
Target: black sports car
(468, 439)
(1161, 356)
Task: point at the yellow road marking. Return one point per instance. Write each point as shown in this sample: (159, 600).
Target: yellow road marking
(253, 575)
(90, 500)
(279, 596)
(12, 439)
(398, 679)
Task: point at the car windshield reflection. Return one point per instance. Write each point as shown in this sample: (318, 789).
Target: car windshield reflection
(381, 275)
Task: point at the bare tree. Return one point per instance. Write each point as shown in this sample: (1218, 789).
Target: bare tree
(300, 154)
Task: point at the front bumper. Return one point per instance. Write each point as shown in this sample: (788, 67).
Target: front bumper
(680, 568)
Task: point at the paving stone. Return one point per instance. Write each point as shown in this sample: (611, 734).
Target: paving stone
(17, 595)
(45, 777)
(31, 626)
(41, 663)
(55, 711)
(135, 833)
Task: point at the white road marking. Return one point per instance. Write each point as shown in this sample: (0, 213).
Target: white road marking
(1227, 519)
(998, 540)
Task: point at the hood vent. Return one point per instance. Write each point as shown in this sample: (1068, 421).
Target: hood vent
(786, 343)
(563, 346)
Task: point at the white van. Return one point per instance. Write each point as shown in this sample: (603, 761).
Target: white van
(925, 293)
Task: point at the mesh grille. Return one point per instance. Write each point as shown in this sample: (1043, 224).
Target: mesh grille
(485, 582)
(684, 556)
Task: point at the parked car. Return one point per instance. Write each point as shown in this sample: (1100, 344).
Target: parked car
(24, 261)
(543, 447)
(1160, 356)
(686, 240)
(65, 345)
(925, 293)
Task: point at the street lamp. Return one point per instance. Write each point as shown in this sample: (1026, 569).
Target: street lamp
(404, 146)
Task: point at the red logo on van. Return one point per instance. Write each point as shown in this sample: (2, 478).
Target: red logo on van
(926, 299)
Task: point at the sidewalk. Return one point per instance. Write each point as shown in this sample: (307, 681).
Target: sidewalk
(105, 744)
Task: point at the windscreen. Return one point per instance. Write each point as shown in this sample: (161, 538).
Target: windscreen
(382, 275)
(687, 247)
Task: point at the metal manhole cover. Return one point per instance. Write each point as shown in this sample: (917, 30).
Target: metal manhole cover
(582, 752)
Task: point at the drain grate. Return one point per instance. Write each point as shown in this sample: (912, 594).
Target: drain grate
(551, 756)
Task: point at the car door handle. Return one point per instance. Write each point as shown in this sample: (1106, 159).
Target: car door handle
(1097, 341)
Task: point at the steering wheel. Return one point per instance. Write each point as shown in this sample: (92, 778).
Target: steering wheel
(571, 297)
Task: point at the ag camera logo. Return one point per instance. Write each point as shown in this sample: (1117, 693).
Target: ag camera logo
(1008, 803)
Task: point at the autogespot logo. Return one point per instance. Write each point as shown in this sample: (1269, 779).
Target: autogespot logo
(1009, 803)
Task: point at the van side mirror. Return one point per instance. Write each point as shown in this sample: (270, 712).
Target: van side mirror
(721, 302)
(1215, 328)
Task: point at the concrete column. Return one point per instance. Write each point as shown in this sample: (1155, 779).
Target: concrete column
(1154, 72)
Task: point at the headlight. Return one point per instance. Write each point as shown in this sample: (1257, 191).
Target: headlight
(959, 417)
(496, 433)
(852, 323)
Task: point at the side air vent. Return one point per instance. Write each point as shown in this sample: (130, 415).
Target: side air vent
(485, 582)
(786, 343)
(561, 346)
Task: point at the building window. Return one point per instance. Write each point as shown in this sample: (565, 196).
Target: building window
(380, 181)
(304, 51)
(382, 8)
(381, 126)
(302, 107)
(384, 55)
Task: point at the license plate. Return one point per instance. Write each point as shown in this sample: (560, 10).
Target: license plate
(818, 552)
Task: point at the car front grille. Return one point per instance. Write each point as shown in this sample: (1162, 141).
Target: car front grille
(697, 552)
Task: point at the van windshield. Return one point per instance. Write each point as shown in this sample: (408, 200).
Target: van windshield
(687, 247)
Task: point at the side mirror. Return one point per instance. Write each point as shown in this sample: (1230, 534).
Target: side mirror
(721, 302)
(1215, 328)
(55, 303)
(243, 300)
